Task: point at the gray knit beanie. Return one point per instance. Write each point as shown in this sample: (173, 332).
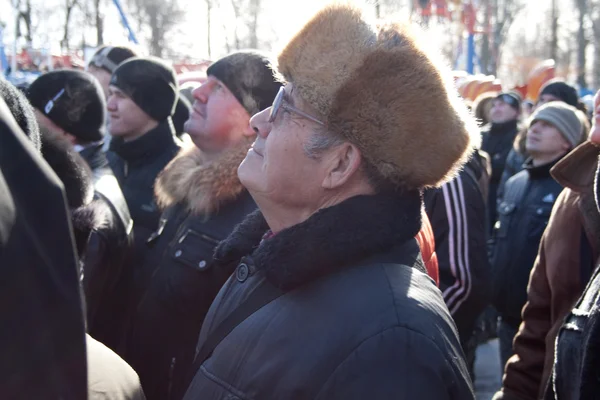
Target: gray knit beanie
(564, 118)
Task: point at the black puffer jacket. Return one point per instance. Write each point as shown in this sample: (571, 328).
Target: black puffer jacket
(523, 214)
(108, 255)
(205, 201)
(359, 317)
(497, 140)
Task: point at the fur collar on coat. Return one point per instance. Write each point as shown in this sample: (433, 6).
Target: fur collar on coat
(202, 185)
(332, 239)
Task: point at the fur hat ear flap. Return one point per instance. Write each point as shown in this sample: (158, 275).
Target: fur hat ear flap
(382, 89)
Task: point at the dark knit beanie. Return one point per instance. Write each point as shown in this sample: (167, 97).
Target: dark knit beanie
(562, 90)
(21, 111)
(249, 76)
(150, 83)
(511, 98)
(73, 100)
(182, 114)
(108, 57)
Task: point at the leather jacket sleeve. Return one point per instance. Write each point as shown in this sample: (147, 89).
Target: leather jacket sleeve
(94, 275)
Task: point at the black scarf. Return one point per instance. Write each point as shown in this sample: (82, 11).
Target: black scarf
(330, 240)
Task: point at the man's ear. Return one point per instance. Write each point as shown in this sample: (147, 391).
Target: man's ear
(342, 164)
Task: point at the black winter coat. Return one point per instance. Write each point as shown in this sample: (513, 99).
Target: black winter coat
(42, 337)
(136, 165)
(523, 214)
(108, 255)
(497, 140)
(167, 319)
(359, 317)
(457, 215)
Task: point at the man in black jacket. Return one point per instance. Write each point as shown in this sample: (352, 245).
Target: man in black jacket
(203, 201)
(143, 95)
(330, 298)
(497, 141)
(457, 215)
(70, 106)
(523, 214)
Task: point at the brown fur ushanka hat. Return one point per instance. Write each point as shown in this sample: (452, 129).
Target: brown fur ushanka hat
(378, 88)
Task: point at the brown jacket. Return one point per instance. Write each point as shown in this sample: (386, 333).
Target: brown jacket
(554, 284)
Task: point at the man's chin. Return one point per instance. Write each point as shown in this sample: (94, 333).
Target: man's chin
(248, 171)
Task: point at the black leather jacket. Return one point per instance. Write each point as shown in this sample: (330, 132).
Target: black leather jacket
(523, 214)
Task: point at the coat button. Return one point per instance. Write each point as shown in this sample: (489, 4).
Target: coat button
(202, 264)
(540, 211)
(242, 272)
(178, 253)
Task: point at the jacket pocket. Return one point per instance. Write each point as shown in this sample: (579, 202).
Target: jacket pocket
(538, 215)
(194, 249)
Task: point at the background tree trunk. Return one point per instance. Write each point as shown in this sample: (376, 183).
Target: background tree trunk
(99, 23)
(581, 43)
(554, 28)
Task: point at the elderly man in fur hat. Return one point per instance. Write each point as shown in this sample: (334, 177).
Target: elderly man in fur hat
(330, 299)
(203, 200)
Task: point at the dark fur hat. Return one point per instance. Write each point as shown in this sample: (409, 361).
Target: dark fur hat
(21, 110)
(76, 177)
(380, 88)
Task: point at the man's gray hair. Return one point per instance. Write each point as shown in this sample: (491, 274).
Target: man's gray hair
(320, 141)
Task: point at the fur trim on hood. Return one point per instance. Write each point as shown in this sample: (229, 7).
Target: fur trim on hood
(202, 185)
(383, 89)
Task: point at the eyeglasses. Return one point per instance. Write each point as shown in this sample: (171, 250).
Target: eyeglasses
(279, 103)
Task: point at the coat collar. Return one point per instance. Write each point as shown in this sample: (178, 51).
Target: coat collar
(330, 240)
(201, 185)
(539, 171)
(578, 168)
(147, 147)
